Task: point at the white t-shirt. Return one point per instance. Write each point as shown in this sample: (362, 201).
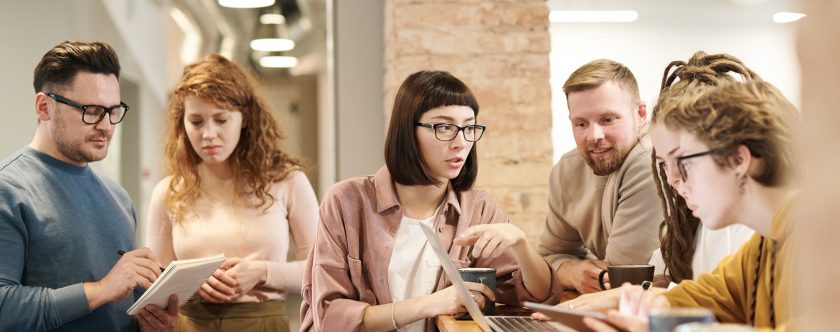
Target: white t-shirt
(414, 268)
(710, 247)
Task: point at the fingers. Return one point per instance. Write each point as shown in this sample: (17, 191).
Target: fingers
(481, 288)
(539, 316)
(172, 306)
(230, 262)
(209, 292)
(601, 265)
(597, 325)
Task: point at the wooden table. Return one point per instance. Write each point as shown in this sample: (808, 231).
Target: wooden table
(447, 323)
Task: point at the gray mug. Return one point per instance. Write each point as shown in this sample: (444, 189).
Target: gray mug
(667, 319)
(485, 276)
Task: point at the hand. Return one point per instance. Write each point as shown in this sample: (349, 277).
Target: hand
(489, 241)
(625, 323)
(582, 275)
(138, 267)
(153, 318)
(636, 301)
(447, 302)
(234, 278)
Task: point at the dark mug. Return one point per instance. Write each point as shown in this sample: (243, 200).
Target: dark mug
(485, 276)
(667, 319)
(619, 274)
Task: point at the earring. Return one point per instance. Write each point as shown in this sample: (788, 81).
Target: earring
(742, 182)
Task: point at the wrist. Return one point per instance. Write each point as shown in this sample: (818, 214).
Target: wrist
(264, 272)
(93, 294)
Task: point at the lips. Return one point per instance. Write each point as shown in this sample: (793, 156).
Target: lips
(455, 162)
(600, 151)
(211, 149)
(99, 141)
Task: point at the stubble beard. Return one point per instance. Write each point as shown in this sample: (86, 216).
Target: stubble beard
(71, 150)
(609, 164)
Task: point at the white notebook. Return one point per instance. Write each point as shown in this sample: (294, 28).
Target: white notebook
(182, 278)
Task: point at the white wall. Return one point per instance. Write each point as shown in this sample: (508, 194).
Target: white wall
(30, 28)
(646, 48)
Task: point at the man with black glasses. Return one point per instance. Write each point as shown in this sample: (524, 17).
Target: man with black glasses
(61, 224)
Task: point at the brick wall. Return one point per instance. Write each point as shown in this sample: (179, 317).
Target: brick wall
(500, 50)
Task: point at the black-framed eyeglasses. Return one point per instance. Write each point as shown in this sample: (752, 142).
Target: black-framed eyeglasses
(92, 114)
(448, 131)
(680, 161)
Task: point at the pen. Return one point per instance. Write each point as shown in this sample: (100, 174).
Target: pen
(121, 252)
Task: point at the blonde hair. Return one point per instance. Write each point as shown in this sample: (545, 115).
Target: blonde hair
(754, 114)
(679, 228)
(257, 161)
(597, 72)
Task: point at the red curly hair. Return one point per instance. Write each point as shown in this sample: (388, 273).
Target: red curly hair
(257, 161)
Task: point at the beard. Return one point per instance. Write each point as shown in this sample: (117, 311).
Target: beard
(73, 150)
(608, 164)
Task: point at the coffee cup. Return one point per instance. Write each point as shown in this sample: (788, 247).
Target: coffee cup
(619, 274)
(485, 276)
(667, 319)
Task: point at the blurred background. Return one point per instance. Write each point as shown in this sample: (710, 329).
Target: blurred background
(335, 66)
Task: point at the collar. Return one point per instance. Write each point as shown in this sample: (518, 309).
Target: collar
(386, 192)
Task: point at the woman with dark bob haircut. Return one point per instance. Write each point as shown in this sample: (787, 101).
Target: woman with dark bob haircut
(371, 267)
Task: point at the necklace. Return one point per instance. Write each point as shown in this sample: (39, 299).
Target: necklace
(772, 281)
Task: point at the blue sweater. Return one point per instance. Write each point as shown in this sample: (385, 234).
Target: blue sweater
(60, 225)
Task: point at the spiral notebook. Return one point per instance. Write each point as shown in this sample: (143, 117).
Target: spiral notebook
(182, 278)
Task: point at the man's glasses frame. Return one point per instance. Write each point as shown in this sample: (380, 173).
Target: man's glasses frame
(441, 134)
(90, 110)
(679, 160)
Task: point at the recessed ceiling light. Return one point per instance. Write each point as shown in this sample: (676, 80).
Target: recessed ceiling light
(278, 61)
(272, 19)
(272, 44)
(787, 17)
(245, 3)
(589, 16)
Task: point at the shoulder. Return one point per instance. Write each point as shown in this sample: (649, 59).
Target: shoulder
(114, 188)
(295, 180)
(159, 192)
(638, 165)
(351, 190)
(570, 163)
(477, 201)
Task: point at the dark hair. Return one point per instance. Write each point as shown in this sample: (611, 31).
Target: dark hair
(419, 93)
(59, 66)
(678, 231)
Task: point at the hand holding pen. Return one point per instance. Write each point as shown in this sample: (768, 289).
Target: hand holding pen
(121, 252)
(138, 267)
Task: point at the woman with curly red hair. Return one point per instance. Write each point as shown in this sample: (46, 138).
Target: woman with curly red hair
(231, 190)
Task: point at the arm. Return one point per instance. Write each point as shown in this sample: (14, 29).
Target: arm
(22, 307)
(724, 290)
(522, 274)
(559, 242)
(562, 246)
(159, 225)
(634, 232)
(302, 207)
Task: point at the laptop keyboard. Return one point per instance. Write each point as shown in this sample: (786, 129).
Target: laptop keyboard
(517, 323)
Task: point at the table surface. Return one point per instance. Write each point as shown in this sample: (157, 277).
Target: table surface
(447, 323)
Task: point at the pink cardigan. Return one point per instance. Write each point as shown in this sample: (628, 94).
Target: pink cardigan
(347, 269)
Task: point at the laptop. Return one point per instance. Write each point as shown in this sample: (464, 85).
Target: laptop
(486, 323)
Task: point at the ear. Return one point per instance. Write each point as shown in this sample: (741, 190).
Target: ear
(642, 111)
(742, 160)
(42, 106)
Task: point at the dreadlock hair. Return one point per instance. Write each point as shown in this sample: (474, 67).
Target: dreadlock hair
(678, 231)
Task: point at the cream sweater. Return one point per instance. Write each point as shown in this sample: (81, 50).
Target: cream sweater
(236, 231)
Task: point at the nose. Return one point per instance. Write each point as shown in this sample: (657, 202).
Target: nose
(596, 133)
(208, 132)
(673, 176)
(459, 142)
(104, 124)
